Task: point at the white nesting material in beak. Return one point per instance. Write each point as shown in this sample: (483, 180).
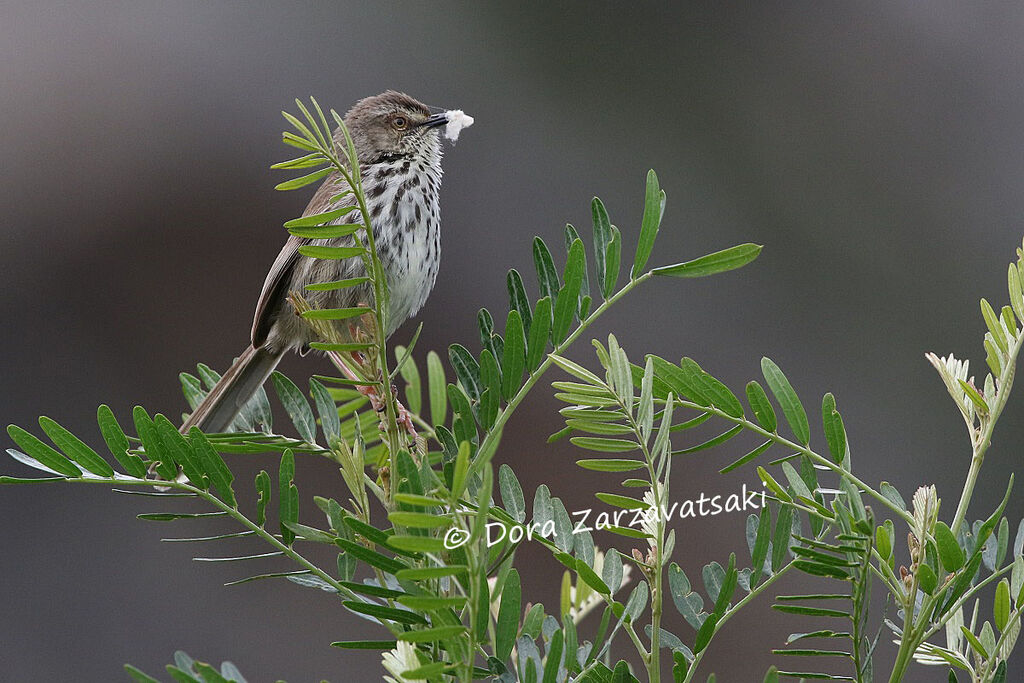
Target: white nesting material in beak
(457, 120)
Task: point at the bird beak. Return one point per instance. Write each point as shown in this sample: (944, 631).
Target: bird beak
(435, 120)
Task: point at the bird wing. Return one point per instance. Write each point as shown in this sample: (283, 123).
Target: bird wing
(273, 290)
(274, 287)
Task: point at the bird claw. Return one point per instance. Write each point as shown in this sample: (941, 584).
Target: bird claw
(403, 416)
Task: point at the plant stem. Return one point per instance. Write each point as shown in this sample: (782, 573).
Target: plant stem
(514, 402)
(692, 671)
(983, 439)
(804, 450)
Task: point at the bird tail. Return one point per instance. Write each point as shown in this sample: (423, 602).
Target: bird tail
(222, 405)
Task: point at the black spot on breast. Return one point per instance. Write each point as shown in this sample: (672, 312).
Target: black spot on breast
(377, 190)
(377, 208)
(418, 212)
(405, 166)
(399, 194)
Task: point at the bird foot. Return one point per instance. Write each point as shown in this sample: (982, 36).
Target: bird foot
(403, 417)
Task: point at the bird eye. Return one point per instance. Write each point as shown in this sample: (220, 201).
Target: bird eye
(400, 123)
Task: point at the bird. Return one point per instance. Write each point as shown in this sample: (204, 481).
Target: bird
(398, 147)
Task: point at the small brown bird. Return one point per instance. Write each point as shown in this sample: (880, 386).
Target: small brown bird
(397, 143)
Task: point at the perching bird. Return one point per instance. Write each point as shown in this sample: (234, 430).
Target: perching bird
(397, 143)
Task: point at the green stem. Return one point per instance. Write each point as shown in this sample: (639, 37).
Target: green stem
(256, 529)
(804, 450)
(514, 402)
(692, 671)
(983, 439)
(989, 670)
(908, 640)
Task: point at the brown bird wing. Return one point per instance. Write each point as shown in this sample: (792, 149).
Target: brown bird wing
(274, 287)
(274, 290)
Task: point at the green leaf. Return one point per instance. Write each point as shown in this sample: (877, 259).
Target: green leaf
(654, 209)
(296, 183)
(727, 589)
(781, 539)
(602, 236)
(365, 644)
(507, 625)
(335, 313)
(433, 635)
(306, 161)
(514, 355)
(370, 557)
(320, 218)
(611, 465)
(752, 455)
(512, 498)
(576, 370)
(517, 297)
(262, 496)
(613, 256)
(926, 578)
(436, 389)
(336, 284)
(213, 465)
(538, 334)
(467, 370)
(545, 266)
(296, 406)
(977, 399)
(788, 401)
(117, 443)
(180, 452)
(288, 494)
(553, 660)
(566, 305)
(994, 326)
(399, 616)
(950, 554)
(711, 264)
(835, 432)
(705, 633)
(712, 442)
(624, 502)
(761, 406)
(330, 422)
(761, 542)
(689, 604)
(326, 232)
(974, 642)
(637, 602)
(138, 676)
(421, 573)
(1001, 611)
(312, 534)
(571, 236)
(611, 572)
(418, 520)
(892, 495)
(330, 253)
(75, 448)
(591, 578)
(46, 455)
(490, 382)
(605, 445)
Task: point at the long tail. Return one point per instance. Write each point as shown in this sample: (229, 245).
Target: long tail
(222, 405)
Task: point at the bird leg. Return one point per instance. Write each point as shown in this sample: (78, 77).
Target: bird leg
(403, 416)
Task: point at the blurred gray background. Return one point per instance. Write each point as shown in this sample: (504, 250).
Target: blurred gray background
(874, 148)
